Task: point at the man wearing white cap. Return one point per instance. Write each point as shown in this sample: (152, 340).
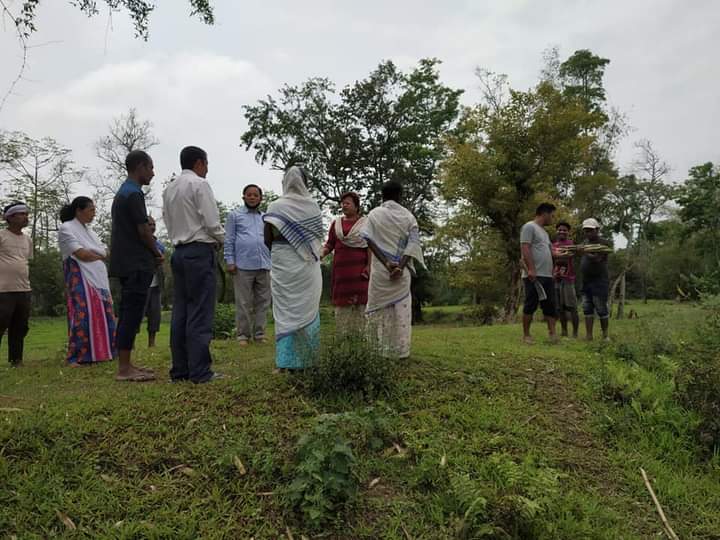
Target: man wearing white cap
(15, 253)
(596, 281)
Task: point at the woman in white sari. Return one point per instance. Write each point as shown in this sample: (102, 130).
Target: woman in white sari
(91, 322)
(393, 237)
(293, 233)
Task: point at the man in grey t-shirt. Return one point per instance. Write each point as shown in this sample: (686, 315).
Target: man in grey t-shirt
(537, 272)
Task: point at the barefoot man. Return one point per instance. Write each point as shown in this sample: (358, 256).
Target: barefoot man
(538, 271)
(134, 257)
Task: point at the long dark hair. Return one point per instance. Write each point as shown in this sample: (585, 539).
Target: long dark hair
(67, 212)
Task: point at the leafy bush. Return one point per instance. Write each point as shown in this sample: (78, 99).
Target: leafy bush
(484, 314)
(507, 499)
(224, 323)
(323, 477)
(351, 363)
(48, 283)
(698, 381)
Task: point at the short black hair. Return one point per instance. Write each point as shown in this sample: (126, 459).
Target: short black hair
(563, 224)
(136, 158)
(392, 191)
(252, 186)
(14, 203)
(190, 155)
(545, 208)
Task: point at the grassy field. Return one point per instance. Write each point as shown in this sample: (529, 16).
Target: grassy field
(482, 437)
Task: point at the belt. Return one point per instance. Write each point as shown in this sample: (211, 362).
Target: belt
(178, 246)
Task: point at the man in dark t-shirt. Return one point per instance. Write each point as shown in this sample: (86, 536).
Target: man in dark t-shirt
(133, 258)
(596, 281)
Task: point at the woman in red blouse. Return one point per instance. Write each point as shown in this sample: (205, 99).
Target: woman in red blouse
(351, 264)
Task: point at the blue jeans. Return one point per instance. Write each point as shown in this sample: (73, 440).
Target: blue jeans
(193, 312)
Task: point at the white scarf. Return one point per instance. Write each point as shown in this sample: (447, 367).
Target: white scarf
(74, 235)
(297, 216)
(354, 237)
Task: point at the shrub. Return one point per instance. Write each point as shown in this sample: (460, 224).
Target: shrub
(351, 363)
(484, 314)
(507, 499)
(323, 477)
(698, 381)
(224, 323)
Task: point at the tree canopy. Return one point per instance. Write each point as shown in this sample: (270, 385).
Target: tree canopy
(388, 126)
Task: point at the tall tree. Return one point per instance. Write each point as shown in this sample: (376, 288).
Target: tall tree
(699, 201)
(582, 78)
(41, 173)
(126, 133)
(505, 158)
(634, 203)
(388, 126)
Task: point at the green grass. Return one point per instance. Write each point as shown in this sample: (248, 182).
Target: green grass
(475, 414)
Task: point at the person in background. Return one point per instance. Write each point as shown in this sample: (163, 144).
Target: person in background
(293, 233)
(393, 236)
(134, 257)
(91, 322)
(596, 281)
(350, 265)
(16, 250)
(153, 306)
(193, 225)
(248, 261)
(537, 271)
(564, 274)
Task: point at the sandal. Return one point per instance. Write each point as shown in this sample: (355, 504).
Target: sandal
(138, 377)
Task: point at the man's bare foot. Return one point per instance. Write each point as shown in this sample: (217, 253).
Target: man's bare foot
(243, 342)
(278, 371)
(528, 340)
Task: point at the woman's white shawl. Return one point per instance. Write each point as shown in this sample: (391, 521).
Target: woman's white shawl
(394, 230)
(354, 238)
(74, 235)
(297, 216)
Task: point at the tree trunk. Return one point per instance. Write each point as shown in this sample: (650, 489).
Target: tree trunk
(512, 298)
(621, 303)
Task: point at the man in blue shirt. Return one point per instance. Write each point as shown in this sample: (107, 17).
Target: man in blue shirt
(248, 260)
(134, 257)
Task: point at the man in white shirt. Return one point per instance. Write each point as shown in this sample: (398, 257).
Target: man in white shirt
(193, 225)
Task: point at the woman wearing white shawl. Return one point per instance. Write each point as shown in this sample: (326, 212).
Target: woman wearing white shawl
(91, 323)
(393, 237)
(293, 233)
(350, 265)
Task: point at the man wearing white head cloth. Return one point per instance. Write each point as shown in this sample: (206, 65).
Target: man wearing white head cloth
(15, 253)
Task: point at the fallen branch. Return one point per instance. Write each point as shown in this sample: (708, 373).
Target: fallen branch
(666, 524)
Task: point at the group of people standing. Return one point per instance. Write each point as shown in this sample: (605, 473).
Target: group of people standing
(273, 256)
(548, 273)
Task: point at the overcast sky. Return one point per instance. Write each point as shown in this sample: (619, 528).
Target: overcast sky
(191, 80)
